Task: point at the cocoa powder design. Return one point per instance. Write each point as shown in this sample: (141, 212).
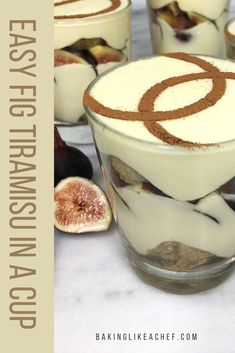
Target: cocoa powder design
(150, 117)
(113, 6)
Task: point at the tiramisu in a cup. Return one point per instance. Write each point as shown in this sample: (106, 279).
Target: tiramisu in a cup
(90, 37)
(191, 26)
(166, 141)
(230, 39)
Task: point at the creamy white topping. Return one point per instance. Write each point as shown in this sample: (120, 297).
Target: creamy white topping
(210, 8)
(84, 7)
(165, 167)
(129, 83)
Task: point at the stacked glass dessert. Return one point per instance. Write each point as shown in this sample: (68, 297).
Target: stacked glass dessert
(166, 143)
(90, 37)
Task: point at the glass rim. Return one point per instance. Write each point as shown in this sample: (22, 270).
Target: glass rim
(71, 21)
(228, 34)
(162, 145)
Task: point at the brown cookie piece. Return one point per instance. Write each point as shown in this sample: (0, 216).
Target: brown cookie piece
(122, 174)
(176, 256)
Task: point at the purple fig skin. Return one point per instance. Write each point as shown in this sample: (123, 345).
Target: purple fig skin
(69, 161)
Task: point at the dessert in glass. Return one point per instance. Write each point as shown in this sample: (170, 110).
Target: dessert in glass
(90, 37)
(229, 32)
(191, 26)
(165, 136)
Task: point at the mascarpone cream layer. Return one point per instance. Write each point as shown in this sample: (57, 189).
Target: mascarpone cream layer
(151, 220)
(231, 27)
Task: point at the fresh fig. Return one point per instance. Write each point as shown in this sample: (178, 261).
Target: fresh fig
(63, 57)
(105, 54)
(69, 161)
(81, 206)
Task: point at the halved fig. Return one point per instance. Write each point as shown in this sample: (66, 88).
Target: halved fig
(81, 206)
(63, 57)
(105, 54)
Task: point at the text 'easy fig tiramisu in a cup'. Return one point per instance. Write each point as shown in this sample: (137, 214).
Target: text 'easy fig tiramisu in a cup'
(166, 140)
(191, 26)
(90, 37)
(229, 32)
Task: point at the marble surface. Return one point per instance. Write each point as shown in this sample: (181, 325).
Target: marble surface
(97, 291)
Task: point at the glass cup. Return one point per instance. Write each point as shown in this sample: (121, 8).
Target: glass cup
(181, 240)
(85, 47)
(229, 32)
(194, 26)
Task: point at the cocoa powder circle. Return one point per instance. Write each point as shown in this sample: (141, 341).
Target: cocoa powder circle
(146, 112)
(113, 6)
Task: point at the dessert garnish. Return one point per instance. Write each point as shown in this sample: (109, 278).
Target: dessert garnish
(81, 206)
(150, 118)
(114, 4)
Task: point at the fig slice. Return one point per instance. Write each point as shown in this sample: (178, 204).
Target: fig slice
(63, 57)
(87, 43)
(106, 54)
(179, 19)
(81, 206)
